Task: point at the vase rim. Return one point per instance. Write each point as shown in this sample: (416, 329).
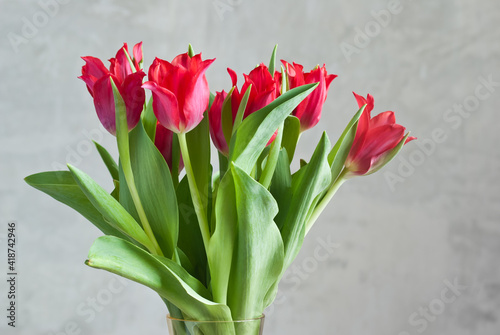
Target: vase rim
(260, 318)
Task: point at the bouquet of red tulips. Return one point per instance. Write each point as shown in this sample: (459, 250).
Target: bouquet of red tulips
(213, 244)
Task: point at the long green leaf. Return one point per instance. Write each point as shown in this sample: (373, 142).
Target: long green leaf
(190, 240)
(156, 190)
(110, 208)
(198, 142)
(291, 134)
(118, 256)
(61, 186)
(281, 187)
(108, 161)
(222, 242)
(194, 283)
(257, 129)
(272, 61)
(148, 118)
(309, 182)
(259, 254)
(340, 151)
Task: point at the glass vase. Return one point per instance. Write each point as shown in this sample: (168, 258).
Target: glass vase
(193, 327)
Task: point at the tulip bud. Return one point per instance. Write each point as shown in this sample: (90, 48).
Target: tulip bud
(377, 140)
(309, 110)
(128, 81)
(180, 91)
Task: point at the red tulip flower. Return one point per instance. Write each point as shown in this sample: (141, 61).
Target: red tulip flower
(215, 123)
(309, 110)
(180, 91)
(128, 80)
(163, 141)
(375, 138)
(263, 92)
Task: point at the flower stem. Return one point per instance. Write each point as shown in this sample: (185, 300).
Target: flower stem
(123, 149)
(195, 194)
(326, 199)
(122, 140)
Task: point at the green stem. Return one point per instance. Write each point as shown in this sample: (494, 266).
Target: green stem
(223, 164)
(326, 199)
(122, 140)
(195, 194)
(123, 149)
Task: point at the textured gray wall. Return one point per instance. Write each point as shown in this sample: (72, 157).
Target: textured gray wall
(401, 237)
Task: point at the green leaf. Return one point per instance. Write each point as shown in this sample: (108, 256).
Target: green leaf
(108, 161)
(190, 239)
(259, 254)
(272, 159)
(156, 190)
(221, 245)
(191, 52)
(149, 120)
(291, 134)
(120, 257)
(261, 162)
(194, 283)
(257, 129)
(307, 184)
(198, 142)
(61, 186)
(110, 208)
(272, 62)
(340, 151)
(227, 116)
(241, 110)
(281, 187)
(124, 196)
(176, 159)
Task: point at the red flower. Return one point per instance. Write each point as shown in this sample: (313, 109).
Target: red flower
(180, 91)
(127, 80)
(263, 92)
(164, 141)
(309, 110)
(375, 138)
(215, 123)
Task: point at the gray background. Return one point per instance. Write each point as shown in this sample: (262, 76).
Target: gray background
(402, 236)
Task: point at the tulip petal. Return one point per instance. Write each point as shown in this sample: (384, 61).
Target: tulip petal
(134, 97)
(233, 75)
(120, 65)
(410, 138)
(369, 101)
(137, 55)
(378, 141)
(382, 119)
(165, 106)
(215, 123)
(105, 104)
(196, 97)
(92, 71)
